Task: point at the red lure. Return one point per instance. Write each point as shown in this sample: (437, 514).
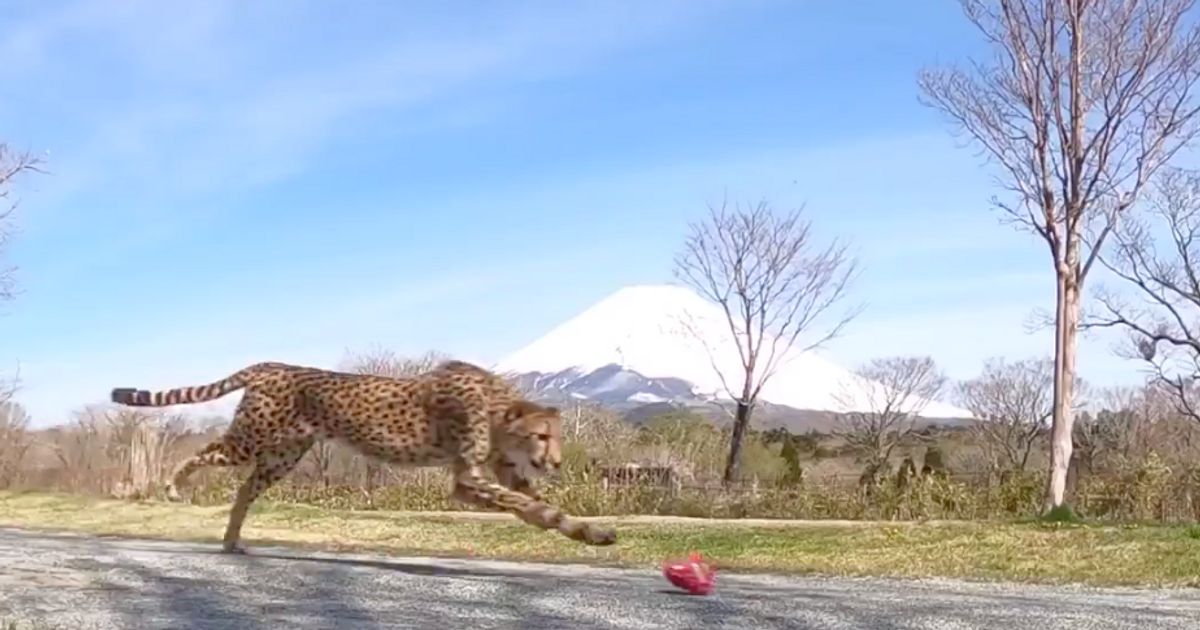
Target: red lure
(694, 575)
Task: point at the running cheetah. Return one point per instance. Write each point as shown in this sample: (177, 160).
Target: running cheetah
(456, 414)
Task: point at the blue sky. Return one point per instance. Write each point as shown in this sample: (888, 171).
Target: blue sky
(233, 182)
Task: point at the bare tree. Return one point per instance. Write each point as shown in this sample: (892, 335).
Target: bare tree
(773, 284)
(1125, 425)
(593, 424)
(140, 445)
(684, 440)
(1162, 428)
(1013, 403)
(323, 455)
(384, 362)
(883, 404)
(15, 441)
(1082, 102)
(8, 389)
(1164, 329)
(81, 450)
(1126, 419)
(12, 164)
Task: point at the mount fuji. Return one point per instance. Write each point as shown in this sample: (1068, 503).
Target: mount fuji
(647, 349)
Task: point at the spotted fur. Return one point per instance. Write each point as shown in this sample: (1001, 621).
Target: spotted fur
(457, 414)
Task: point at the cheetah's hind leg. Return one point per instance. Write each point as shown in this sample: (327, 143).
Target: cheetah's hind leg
(219, 452)
(270, 466)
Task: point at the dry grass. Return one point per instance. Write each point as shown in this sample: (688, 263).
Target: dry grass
(1101, 555)
(128, 454)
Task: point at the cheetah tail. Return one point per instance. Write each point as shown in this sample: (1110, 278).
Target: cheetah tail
(181, 395)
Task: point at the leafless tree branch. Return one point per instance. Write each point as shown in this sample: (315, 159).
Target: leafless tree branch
(1013, 403)
(1122, 428)
(1081, 103)
(15, 441)
(884, 404)
(12, 164)
(1163, 326)
(773, 284)
(384, 362)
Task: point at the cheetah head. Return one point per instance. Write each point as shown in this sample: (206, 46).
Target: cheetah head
(533, 437)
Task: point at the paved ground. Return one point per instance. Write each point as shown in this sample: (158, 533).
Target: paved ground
(84, 582)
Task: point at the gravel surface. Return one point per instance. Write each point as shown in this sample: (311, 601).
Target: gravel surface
(82, 582)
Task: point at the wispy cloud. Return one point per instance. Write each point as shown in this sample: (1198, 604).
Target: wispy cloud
(273, 108)
(159, 116)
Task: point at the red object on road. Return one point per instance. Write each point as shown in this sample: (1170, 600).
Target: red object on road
(694, 575)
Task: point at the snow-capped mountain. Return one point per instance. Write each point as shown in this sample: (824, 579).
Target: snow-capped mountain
(609, 384)
(657, 345)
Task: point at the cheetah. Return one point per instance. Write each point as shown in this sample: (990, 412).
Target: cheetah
(457, 414)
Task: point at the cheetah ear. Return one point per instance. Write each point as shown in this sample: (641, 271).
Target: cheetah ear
(520, 409)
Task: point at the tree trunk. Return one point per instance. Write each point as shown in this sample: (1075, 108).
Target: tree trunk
(741, 420)
(1066, 328)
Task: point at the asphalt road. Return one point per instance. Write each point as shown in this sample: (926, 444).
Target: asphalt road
(81, 582)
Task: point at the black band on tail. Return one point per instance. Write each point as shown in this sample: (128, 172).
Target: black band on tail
(130, 396)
